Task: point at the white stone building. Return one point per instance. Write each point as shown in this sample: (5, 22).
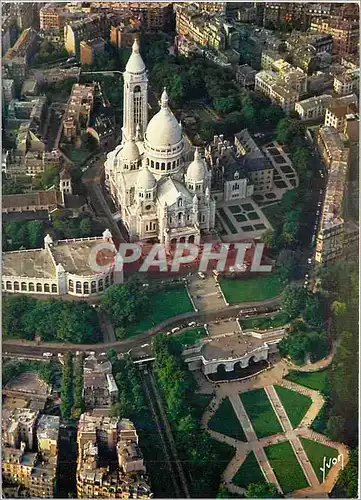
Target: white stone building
(161, 196)
(83, 267)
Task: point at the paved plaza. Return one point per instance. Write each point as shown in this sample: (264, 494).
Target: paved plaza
(206, 293)
(266, 380)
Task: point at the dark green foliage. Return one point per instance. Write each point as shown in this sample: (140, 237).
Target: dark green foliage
(302, 340)
(48, 53)
(131, 400)
(288, 263)
(126, 302)
(53, 320)
(225, 421)
(348, 478)
(50, 177)
(263, 490)
(11, 187)
(78, 407)
(249, 473)
(63, 228)
(26, 234)
(204, 458)
(66, 392)
(293, 300)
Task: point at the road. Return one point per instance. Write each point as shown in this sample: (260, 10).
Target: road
(27, 348)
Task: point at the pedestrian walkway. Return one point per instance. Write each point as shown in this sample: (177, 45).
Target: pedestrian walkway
(267, 379)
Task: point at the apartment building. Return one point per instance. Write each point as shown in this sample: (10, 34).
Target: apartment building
(99, 387)
(330, 145)
(89, 50)
(271, 85)
(97, 437)
(245, 76)
(345, 34)
(16, 60)
(314, 107)
(93, 26)
(8, 87)
(331, 234)
(338, 110)
(203, 28)
(77, 114)
(123, 35)
(26, 461)
(154, 16)
(346, 83)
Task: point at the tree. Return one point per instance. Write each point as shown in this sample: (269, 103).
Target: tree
(348, 478)
(262, 490)
(35, 234)
(293, 300)
(85, 227)
(125, 302)
(50, 177)
(287, 265)
(315, 313)
(339, 308)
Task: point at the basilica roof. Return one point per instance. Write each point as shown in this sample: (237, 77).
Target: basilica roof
(135, 63)
(169, 190)
(130, 151)
(145, 179)
(197, 169)
(163, 130)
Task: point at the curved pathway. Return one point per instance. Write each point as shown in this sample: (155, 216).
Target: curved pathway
(267, 380)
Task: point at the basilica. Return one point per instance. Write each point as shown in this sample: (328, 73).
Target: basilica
(162, 186)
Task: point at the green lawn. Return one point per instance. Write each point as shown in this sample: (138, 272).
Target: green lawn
(249, 472)
(252, 289)
(274, 214)
(316, 453)
(312, 380)
(225, 421)
(286, 467)
(279, 319)
(260, 412)
(164, 304)
(295, 404)
(190, 336)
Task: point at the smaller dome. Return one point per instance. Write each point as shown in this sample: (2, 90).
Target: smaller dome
(135, 62)
(145, 179)
(130, 151)
(196, 170)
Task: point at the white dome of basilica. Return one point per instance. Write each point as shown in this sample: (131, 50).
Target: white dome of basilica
(130, 151)
(135, 63)
(197, 169)
(145, 179)
(163, 129)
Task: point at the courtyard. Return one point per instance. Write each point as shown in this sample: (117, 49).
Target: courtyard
(205, 293)
(276, 443)
(257, 288)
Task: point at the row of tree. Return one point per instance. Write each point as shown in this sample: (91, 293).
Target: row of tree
(25, 317)
(23, 234)
(67, 387)
(78, 368)
(202, 458)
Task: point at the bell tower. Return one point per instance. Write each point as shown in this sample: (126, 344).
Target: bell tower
(135, 96)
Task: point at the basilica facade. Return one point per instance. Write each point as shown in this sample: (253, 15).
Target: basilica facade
(161, 194)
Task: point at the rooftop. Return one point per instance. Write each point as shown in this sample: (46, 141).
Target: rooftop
(41, 199)
(310, 103)
(48, 427)
(29, 263)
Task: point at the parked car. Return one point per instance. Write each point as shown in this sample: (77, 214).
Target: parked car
(201, 275)
(47, 354)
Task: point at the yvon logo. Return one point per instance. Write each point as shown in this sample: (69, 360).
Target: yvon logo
(328, 463)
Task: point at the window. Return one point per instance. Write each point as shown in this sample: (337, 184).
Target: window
(163, 166)
(93, 287)
(107, 281)
(169, 165)
(54, 289)
(39, 287)
(100, 285)
(157, 165)
(86, 287)
(78, 287)
(152, 163)
(9, 285)
(46, 288)
(71, 286)
(180, 202)
(16, 285)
